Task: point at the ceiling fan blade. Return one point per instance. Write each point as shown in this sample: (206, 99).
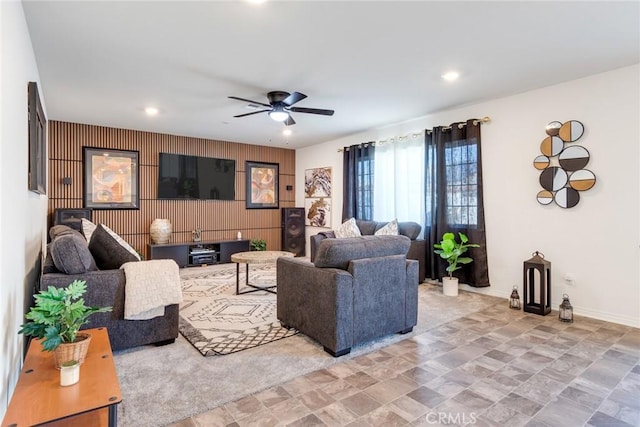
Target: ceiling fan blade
(289, 121)
(251, 113)
(293, 98)
(249, 101)
(312, 111)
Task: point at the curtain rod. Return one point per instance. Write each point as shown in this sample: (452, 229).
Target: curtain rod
(485, 119)
(388, 140)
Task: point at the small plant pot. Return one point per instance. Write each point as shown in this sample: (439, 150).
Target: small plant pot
(76, 350)
(450, 286)
(69, 373)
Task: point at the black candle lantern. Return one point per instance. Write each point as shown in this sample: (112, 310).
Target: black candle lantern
(565, 312)
(514, 300)
(536, 286)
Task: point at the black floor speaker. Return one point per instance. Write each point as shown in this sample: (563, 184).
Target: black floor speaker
(293, 236)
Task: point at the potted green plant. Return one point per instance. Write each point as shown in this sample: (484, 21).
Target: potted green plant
(258, 245)
(56, 319)
(451, 250)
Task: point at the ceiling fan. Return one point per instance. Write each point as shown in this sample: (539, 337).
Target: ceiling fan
(280, 106)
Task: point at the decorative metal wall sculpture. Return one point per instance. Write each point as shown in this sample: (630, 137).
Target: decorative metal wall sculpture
(562, 164)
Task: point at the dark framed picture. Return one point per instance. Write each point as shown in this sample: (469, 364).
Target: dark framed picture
(110, 178)
(37, 142)
(262, 185)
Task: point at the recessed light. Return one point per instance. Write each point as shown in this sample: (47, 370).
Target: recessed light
(151, 111)
(451, 76)
(286, 132)
(256, 1)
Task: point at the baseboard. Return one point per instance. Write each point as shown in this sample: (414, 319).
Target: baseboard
(608, 317)
(577, 310)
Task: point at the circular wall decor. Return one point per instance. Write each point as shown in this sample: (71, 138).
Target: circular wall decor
(571, 131)
(551, 146)
(582, 180)
(573, 158)
(562, 183)
(567, 197)
(553, 128)
(541, 162)
(553, 178)
(545, 197)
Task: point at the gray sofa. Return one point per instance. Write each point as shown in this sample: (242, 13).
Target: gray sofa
(417, 250)
(357, 289)
(69, 259)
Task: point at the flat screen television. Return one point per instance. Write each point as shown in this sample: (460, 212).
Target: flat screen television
(194, 177)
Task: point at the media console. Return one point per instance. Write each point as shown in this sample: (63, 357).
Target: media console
(198, 253)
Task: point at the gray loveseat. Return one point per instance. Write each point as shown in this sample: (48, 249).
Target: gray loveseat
(411, 229)
(356, 290)
(69, 259)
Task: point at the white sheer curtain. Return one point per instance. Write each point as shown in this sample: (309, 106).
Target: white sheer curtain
(399, 188)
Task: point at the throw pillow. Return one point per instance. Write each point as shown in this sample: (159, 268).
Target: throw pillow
(107, 251)
(122, 242)
(347, 229)
(390, 229)
(71, 254)
(62, 230)
(88, 228)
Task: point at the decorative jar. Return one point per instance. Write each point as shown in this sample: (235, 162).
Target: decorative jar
(160, 231)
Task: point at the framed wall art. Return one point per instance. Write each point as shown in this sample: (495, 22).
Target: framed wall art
(111, 179)
(317, 182)
(262, 185)
(318, 212)
(317, 193)
(37, 142)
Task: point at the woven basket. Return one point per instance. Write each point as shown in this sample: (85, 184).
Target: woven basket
(76, 350)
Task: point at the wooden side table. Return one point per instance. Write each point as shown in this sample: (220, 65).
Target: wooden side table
(255, 257)
(39, 399)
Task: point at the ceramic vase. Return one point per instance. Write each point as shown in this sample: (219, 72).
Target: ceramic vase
(450, 286)
(160, 231)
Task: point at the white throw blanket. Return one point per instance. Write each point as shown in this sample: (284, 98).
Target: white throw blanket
(151, 285)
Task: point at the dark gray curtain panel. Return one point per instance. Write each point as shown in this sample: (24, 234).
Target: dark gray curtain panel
(454, 201)
(358, 162)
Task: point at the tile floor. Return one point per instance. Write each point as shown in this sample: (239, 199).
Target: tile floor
(496, 367)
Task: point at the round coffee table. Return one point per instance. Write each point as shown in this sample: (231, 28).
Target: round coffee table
(255, 257)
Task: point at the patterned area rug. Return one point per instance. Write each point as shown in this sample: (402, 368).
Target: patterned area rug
(216, 321)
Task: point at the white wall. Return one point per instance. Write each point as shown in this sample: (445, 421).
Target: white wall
(596, 242)
(22, 213)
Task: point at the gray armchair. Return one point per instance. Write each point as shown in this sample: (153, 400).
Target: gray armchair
(357, 289)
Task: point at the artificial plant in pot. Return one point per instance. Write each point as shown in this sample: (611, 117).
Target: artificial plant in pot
(451, 250)
(56, 319)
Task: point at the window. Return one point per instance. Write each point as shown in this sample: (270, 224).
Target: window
(399, 181)
(461, 186)
(364, 205)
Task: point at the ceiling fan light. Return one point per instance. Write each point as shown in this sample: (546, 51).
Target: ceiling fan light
(279, 115)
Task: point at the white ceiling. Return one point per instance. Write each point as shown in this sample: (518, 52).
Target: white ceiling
(374, 63)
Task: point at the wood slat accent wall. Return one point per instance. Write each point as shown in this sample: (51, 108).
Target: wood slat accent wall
(218, 219)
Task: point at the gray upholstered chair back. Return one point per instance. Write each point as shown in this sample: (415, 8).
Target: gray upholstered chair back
(337, 253)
